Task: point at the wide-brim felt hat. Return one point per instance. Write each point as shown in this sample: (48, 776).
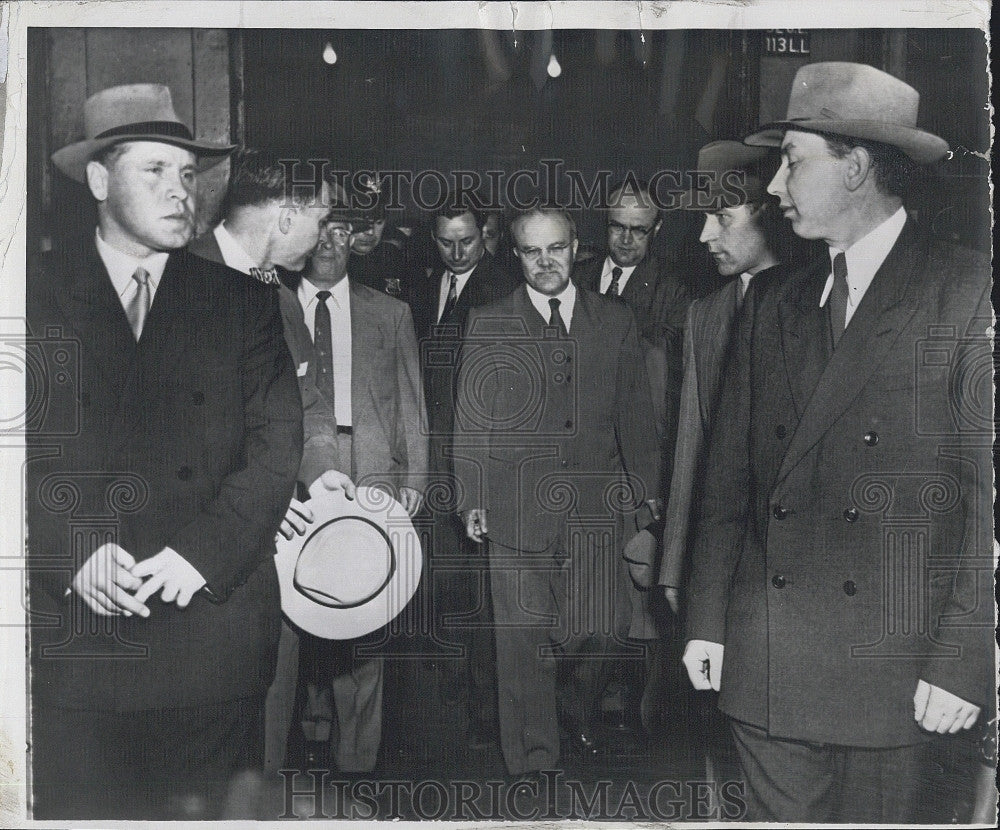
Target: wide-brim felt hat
(728, 174)
(133, 112)
(356, 567)
(854, 100)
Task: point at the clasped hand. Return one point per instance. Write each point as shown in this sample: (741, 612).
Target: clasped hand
(111, 582)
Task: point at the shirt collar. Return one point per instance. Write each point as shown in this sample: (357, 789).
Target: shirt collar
(567, 302)
(866, 256)
(609, 266)
(122, 266)
(233, 252)
(340, 293)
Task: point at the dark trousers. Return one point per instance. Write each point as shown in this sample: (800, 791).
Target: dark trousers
(799, 781)
(152, 764)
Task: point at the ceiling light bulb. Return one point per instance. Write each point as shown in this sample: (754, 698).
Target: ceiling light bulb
(554, 69)
(329, 56)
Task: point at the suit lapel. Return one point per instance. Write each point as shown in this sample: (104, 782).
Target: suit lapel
(887, 307)
(639, 288)
(805, 337)
(92, 308)
(294, 323)
(366, 336)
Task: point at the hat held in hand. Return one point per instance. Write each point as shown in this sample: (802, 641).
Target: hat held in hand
(856, 101)
(355, 568)
(133, 112)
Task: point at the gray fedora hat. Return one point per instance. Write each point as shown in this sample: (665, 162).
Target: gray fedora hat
(856, 101)
(133, 112)
(729, 173)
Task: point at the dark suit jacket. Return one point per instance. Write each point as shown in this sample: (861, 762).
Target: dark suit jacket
(707, 337)
(189, 439)
(845, 546)
(440, 344)
(658, 298)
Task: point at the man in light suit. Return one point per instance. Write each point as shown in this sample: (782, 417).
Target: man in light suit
(369, 428)
(558, 466)
(156, 487)
(840, 595)
(456, 580)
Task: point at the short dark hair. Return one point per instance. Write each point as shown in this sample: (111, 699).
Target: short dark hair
(894, 171)
(543, 210)
(640, 189)
(260, 176)
(455, 207)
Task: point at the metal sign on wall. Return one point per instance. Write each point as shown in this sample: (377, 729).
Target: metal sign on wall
(786, 42)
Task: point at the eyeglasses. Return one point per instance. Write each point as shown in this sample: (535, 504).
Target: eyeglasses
(340, 234)
(638, 231)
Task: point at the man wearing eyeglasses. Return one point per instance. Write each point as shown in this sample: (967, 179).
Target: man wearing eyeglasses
(370, 346)
(632, 272)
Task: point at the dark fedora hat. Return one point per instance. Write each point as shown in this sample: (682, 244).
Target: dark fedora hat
(133, 112)
(729, 173)
(856, 101)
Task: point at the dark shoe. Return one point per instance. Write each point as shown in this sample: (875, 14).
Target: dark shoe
(483, 733)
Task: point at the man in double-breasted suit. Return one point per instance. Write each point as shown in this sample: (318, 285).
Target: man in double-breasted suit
(456, 580)
(156, 485)
(369, 429)
(557, 463)
(840, 590)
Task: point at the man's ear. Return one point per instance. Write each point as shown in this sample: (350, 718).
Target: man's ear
(656, 228)
(576, 244)
(97, 180)
(859, 166)
(285, 217)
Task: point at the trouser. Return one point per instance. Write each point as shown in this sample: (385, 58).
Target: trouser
(145, 765)
(800, 781)
(549, 608)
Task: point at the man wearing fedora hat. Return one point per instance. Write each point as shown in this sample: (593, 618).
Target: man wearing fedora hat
(155, 621)
(839, 598)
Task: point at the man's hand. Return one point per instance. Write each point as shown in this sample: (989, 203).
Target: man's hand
(298, 515)
(171, 574)
(334, 480)
(703, 661)
(673, 598)
(410, 499)
(937, 710)
(639, 553)
(475, 524)
(105, 580)
(296, 519)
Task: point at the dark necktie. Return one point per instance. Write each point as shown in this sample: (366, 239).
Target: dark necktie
(616, 274)
(838, 298)
(449, 303)
(138, 307)
(268, 276)
(555, 319)
(323, 346)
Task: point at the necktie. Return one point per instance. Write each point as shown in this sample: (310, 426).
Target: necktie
(555, 319)
(268, 276)
(838, 298)
(138, 307)
(616, 274)
(450, 300)
(323, 347)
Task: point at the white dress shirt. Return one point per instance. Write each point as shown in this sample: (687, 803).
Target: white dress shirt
(339, 304)
(233, 253)
(460, 281)
(864, 258)
(609, 265)
(744, 284)
(122, 266)
(567, 302)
